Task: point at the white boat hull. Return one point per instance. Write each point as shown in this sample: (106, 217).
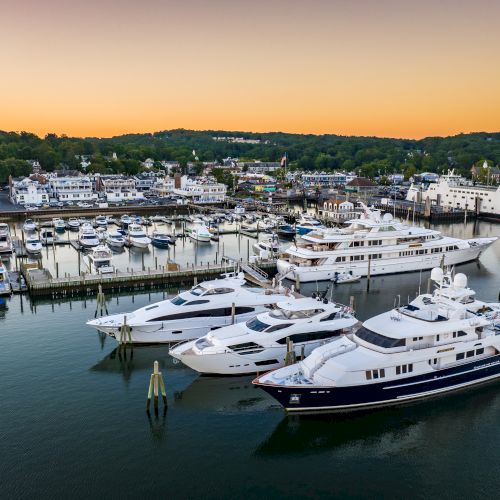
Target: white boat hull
(202, 239)
(380, 266)
(138, 243)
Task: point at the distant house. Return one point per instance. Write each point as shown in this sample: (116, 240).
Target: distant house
(361, 185)
(148, 163)
(339, 210)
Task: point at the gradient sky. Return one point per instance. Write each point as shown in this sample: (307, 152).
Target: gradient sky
(353, 67)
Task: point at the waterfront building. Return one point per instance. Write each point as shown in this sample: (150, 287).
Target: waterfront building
(451, 192)
(201, 190)
(259, 167)
(71, 188)
(163, 187)
(323, 179)
(145, 181)
(361, 185)
(118, 188)
(339, 210)
(29, 191)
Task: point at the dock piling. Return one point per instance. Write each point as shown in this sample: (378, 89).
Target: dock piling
(100, 303)
(156, 384)
(125, 334)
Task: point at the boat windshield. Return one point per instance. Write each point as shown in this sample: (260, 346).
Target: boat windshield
(280, 313)
(377, 339)
(199, 290)
(256, 325)
(178, 301)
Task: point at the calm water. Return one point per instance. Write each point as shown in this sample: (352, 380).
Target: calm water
(73, 421)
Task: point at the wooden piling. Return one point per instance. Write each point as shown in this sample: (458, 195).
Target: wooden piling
(233, 312)
(156, 385)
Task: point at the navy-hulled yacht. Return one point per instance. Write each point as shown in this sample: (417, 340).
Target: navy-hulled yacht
(437, 343)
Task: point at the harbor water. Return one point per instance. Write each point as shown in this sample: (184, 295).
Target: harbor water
(73, 421)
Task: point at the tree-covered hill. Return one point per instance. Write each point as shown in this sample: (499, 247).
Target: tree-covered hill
(366, 155)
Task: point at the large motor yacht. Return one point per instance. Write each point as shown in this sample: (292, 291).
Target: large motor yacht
(5, 239)
(137, 237)
(99, 260)
(5, 287)
(437, 343)
(378, 242)
(260, 344)
(87, 237)
(193, 313)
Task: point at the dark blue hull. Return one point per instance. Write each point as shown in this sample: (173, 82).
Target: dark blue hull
(385, 392)
(160, 244)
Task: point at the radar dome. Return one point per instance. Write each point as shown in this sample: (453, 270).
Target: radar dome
(387, 217)
(460, 280)
(437, 274)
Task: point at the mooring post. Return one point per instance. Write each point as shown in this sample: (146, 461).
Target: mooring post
(297, 283)
(233, 312)
(368, 274)
(351, 302)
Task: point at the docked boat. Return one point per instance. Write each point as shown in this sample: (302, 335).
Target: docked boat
(98, 260)
(160, 240)
(286, 230)
(73, 224)
(306, 224)
(200, 233)
(5, 287)
(115, 239)
(47, 236)
(267, 248)
(101, 221)
(136, 236)
(389, 246)
(59, 225)
(193, 313)
(261, 343)
(5, 239)
(125, 220)
(345, 277)
(87, 238)
(29, 226)
(438, 343)
(33, 244)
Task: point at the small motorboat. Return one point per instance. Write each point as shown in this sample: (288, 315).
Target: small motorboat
(345, 277)
(59, 225)
(33, 244)
(101, 221)
(115, 240)
(5, 288)
(88, 237)
(200, 233)
(47, 236)
(286, 231)
(125, 220)
(101, 233)
(267, 248)
(73, 224)
(160, 240)
(137, 237)
(99, 260)
(29, 226)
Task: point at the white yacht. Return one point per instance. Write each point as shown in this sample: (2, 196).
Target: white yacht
(389, 246)
(200, 233)
(306, 224)
(47, 236)
(437, 343)
(260, 344)
(59, 224)
(5, 239)
(115, 239)
(101, 221)
(87, 238)
(267, 248)
(5, 288)
(99, 260)
(136, 236)
(73, 224)
(33, 244)
(29, 226)
(193, 313)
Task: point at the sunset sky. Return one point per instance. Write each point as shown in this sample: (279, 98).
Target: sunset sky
(353, 67)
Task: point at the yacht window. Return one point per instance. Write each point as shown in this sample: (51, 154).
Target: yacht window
(198, 290)
(470, 354)
(278, 327)
(330, 317)
(256, 325)
(248, 347)
(460, 355)
(377, 339)
(280, 313)
(219, 291)
(178, 301)
(297, 338)
(480, 351)
(267, 362)
(195, 302)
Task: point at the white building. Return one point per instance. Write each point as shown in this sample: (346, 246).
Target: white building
(260, 167)
(339, 210)
(201, 190)
(163, 187)
(28, 191)
(118, 188)
(450, 192)
(148, 163)
(323, 179)
(72, 188)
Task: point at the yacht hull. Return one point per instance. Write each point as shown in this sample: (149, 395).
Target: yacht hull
(382, 266)
(341, 399)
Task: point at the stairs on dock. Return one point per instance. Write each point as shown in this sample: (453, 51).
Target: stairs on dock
(255, 273)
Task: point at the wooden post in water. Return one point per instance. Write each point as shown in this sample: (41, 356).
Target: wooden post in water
(290, 353)
(351, 302)
(233, 312)
(100, 302)
(442, 262)
(125, 333)
(156, 384)
(368, 274)
(297, 283)
(57, 269)
(142, 261)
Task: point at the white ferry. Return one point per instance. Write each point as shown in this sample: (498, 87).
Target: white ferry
(382, 243)
(437, 343)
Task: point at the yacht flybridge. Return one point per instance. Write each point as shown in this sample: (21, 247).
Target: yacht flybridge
(193, 313)
(260, 344)
(437, 343)
(389, 246)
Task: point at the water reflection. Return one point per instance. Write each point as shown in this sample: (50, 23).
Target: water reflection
(223, 394)
(384, 431)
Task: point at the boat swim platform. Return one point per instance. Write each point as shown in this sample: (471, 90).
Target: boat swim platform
(40, 282)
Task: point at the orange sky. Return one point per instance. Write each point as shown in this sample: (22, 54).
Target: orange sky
(353, 67)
